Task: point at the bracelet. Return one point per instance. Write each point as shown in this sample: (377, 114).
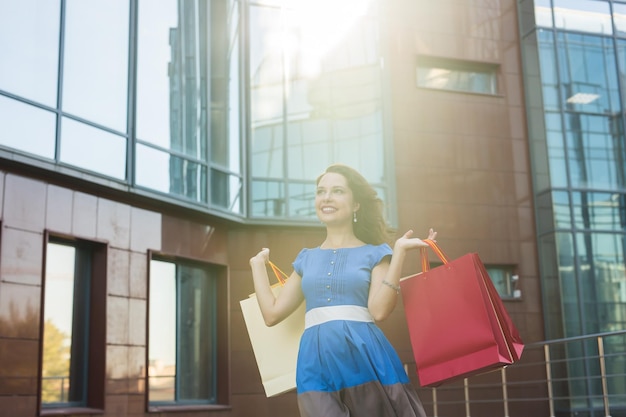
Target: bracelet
(390, 285)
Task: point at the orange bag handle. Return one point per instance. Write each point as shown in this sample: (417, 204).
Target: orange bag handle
(280, 275)
(424, 254)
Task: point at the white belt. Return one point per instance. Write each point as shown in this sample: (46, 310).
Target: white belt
(321, 315)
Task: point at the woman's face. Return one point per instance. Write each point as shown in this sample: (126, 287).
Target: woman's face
(334, 202)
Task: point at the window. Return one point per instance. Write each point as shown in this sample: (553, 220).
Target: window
(166, 76)
(504, 280)
(455, 75)
(72, 366)
(315, 98)
(186, 117)
(183, 334)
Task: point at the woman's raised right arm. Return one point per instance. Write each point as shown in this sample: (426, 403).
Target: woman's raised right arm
(274, 309)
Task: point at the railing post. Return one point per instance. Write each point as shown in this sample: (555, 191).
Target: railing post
(435, 411)
(546, 353)
(505, 394)
(605, 391)
(467, 401)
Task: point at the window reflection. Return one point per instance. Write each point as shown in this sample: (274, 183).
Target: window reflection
(315, 99)
(588, 73)
(562, 213)
(583, 15)
(183, 56)
(599, 211)
(457, 75)
(556, 150)
(171, 174)
(595, 151)
(182, 327)
(619, 19)
(29, 41)
(543, 13)
(58, 335)
(504, 280)
(27, 128)
(162, 331)
(93, 149)
(603, 274)
(95, 67)
(65, 367)
(226, 191)
(171, 76)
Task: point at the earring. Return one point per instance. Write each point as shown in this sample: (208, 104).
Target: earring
(354, 216)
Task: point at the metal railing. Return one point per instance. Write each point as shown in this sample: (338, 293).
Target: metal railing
(579, 376)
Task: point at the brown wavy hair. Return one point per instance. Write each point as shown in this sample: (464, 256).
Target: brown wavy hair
(371, 226)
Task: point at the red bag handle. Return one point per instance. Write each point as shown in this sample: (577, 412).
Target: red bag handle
(280, 275)
(424, 254)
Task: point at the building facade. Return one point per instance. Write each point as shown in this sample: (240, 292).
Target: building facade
(573, 54)
(148, 149)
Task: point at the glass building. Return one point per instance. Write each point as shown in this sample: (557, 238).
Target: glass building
(575, 82)
(223, 109)
(150, 97)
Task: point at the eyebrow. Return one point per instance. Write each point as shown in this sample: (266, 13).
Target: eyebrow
(333, 187)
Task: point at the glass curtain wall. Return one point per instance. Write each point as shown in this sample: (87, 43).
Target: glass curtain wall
(574, 68)
(145, 96)
(142, 93)
(315, 85)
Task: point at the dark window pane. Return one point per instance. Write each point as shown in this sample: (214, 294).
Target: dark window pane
(226, 191)
(196, 340)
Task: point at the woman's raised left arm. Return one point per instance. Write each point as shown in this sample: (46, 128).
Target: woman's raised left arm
(385, 282)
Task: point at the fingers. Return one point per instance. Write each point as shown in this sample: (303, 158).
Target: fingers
(262, 256)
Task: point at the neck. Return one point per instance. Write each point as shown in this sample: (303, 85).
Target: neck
(336, 238)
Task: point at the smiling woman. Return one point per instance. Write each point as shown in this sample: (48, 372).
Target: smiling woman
(346, 365)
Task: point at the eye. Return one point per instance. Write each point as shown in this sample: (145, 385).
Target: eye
(319, 191)
(338, 191)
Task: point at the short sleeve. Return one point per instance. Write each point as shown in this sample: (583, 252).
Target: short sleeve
(298, 263)
(380, 252)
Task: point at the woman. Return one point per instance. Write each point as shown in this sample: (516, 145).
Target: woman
(346, 366)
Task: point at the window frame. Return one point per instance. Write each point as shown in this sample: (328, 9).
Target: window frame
(460, 67)
(221, 375)
(512, 281)
(95, 358)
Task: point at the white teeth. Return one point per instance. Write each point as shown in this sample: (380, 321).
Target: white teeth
(328, 210)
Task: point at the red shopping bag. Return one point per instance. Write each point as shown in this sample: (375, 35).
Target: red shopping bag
(457, 323)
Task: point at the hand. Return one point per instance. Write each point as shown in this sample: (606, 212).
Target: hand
(406, 242)
(262, 257)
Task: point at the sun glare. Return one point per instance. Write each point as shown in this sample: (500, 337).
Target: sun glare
(314, 27)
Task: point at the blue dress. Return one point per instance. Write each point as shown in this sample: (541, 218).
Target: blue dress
(346, 365)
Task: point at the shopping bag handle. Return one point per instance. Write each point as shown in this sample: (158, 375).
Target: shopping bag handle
(424, 254)
(280, 275)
